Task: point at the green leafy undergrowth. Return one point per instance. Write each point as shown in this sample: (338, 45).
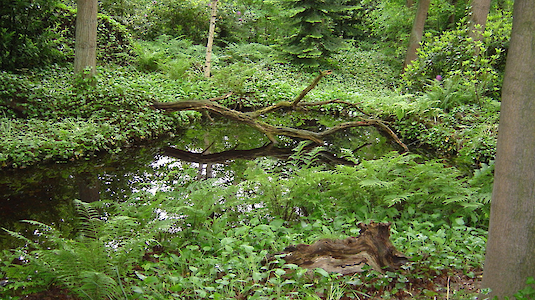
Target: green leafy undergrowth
(25, 143)
(49, 116)
(209, 240)
(435, 122)
(398, 186)
(223, 258)
(477, 65)
(463, 133)
(90, 265)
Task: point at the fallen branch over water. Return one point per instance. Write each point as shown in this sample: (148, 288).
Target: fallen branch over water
(251, 118)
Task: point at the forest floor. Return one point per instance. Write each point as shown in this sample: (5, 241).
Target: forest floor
(450, 284)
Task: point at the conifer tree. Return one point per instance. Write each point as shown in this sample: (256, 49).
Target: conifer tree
(313, 22)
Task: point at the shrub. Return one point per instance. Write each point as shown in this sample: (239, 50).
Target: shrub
(396, 181)
(246, 22)
(28, 35)
(453, 55)
(184, 18)
(173, 56)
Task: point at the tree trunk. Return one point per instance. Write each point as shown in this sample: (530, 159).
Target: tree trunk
(211, 32)
(409, 3)
(451, 19)
(417, 32)
(480, 11)
(510, 258)
(86, 36)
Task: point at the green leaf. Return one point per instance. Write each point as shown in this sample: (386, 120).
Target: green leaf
(322, 272)
(277, 223)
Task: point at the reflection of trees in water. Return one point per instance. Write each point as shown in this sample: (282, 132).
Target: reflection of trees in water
(268, 150)
(45, 192)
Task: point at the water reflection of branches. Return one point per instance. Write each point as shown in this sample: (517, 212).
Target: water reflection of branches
(269, 150)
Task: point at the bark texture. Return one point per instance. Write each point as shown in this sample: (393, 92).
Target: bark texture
(211, 32)
(348, 256)
(478, 20)
(510, 257)
(417, 32)
(86, 36)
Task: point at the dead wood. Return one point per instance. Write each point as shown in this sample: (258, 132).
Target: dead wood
(347, 256)
(251, 118)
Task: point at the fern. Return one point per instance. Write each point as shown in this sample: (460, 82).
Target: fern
(96, 285)
(395, 181)
(90, 221)
(93, 264)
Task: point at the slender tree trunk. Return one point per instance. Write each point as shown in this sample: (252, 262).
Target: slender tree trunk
(478, 20)
(86, 36)
(409, 3)
(417, 31)
(211, 32)
(451, 19)
(510, 257)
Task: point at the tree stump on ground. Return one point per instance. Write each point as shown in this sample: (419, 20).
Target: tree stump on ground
(348, 256)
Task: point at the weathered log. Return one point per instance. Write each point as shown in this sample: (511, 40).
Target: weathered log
(348, 256)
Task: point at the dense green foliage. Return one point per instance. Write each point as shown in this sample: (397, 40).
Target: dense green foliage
(61, 121)
(193, 239)
(206, 239)
(39, 33)
(474, 68)
(313, 21)
(27, 35)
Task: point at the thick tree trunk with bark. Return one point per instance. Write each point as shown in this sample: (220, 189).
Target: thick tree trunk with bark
(348, 256)
(510, 257)
(417, 32)
(86, 36)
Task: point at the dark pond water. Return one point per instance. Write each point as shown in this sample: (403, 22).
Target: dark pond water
(45, 192)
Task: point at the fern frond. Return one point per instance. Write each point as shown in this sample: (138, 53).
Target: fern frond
(90, 221)
(21, 237)
(375, 183)
(96, 285)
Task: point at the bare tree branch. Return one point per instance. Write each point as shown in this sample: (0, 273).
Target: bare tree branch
(250, 118)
